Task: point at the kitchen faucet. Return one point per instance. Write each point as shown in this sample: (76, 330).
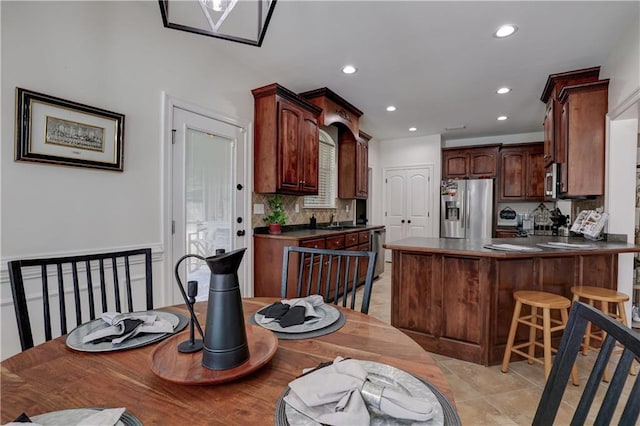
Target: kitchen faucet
(331, 220)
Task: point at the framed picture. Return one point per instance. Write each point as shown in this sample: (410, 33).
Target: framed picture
(57, 131)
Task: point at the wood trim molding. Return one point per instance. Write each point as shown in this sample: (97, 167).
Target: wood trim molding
(628, 102)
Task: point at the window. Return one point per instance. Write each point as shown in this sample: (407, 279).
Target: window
(327, 178)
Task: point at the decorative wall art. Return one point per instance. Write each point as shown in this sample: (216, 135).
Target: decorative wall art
(57, 131)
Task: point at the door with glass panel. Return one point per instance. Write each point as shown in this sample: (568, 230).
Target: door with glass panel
(208, 193)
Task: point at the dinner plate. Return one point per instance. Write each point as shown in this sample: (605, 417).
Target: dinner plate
(74, 416)
(391, 377)
(74, 339)
(328, 315)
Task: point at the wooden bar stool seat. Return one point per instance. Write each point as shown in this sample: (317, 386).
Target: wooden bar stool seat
(547, 302)
(605, 298)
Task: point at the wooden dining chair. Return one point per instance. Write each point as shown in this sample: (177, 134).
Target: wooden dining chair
(617, 335)
(93, 283)
(334, 274)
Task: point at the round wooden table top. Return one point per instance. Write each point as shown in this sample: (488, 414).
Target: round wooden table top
(51, 377)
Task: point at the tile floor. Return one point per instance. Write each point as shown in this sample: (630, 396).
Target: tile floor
(485, 395)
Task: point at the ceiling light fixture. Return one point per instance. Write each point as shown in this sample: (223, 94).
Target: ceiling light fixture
(245, 24)
(505, 31)
(391, 108)
(349, 69)
(412, 129)
(502, 118)
(503, 90)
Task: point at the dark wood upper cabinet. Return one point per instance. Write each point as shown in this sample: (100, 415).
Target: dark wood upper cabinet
(582, 169)
(553, 148)
(521, 173)
(285, 142)
(470, 162)
(353, 144)
(353, 165)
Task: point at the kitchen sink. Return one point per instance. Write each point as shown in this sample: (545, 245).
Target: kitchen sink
(341, 227)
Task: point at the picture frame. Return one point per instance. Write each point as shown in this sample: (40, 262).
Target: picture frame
(57, 131)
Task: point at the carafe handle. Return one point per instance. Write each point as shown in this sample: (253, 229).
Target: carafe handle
(184, 294)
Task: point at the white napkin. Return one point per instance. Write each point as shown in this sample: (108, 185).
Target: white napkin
(332, 395)
(310, 303)
(106, 417)
(150, 324)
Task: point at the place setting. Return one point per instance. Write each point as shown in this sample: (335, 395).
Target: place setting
(91, 416)
(359, 392)
(115, 331)
(299, 318)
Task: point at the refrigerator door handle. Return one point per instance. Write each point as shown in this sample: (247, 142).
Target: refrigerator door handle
(467, 208)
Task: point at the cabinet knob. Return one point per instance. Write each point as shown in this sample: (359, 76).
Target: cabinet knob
(402, 221)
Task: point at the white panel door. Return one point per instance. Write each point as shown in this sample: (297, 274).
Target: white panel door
(408, 203)
(208, 205)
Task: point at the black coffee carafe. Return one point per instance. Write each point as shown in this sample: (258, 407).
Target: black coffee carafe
(225, 337)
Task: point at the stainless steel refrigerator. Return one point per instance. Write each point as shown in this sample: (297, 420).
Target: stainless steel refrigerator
(466, 208)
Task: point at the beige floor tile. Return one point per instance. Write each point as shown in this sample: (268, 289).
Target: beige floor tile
(486, 380)
(479, 412)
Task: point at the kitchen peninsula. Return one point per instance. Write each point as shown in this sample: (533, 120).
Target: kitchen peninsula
(455, 297)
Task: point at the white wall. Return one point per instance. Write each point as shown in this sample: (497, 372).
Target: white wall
(418, 151)
(623, 70)
(116, 56)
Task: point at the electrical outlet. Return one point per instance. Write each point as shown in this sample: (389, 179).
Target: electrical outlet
(347, 208)
(258, 209)
(297, 208)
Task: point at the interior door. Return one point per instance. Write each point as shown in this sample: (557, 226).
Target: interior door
(208, 193)
(409, 202)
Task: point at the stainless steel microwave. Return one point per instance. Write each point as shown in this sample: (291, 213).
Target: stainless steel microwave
(551, 182)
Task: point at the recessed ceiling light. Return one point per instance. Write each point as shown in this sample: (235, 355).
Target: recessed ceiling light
(412, 129)
(391, 108)
(505, 31)
(503, 90)
(349, 69)
(502, 118)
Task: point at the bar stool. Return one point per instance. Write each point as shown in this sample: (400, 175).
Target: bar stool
(547, 302)
(604, 297)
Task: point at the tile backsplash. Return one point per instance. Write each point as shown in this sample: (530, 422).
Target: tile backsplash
(303, 215)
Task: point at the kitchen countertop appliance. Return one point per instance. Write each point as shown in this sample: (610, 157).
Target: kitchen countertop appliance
(466, 208)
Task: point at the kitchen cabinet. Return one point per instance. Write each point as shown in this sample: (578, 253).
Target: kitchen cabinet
(470, 162)
(285, 143)
(353, 165)
(553, 149)
(582, 167)
(268, 251)
(521, 173)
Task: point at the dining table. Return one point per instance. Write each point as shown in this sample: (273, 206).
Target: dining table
(51, 376)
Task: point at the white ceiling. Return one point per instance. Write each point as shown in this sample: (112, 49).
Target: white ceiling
(438, 62)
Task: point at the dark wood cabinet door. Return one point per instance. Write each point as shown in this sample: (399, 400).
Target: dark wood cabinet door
(455, 164)
(522, 173)
(512, 177)
(362, 169)
(289, 119)
(549, 135)
(483, 162)
(309, 155)
(534, 188)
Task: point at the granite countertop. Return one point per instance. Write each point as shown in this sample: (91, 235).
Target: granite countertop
(303, 231)
(477, 247)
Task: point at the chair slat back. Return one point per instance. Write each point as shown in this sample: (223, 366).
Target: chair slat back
(334, 274)
(617, 335)
(76, 292)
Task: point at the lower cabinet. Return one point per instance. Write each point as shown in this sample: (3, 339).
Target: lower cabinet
(461, 306)
(268, 254)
